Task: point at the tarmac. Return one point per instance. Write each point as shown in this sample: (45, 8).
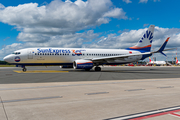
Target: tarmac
(115, 93)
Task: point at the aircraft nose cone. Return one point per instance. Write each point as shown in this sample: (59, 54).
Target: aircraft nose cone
(7, 59)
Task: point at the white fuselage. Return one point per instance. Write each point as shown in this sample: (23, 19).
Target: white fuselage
(158, 62)
(66, 56)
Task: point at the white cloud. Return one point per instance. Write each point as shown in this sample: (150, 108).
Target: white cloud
(127, 1)
(76, 40)
(81, 3)
(58, 17)
(130, 38)
(116, 13)
(161, 34)
(143, 1)
(9, 49)
(125, 30)
(130, 18)
(145, 25)
(2, 6)
(57, 23)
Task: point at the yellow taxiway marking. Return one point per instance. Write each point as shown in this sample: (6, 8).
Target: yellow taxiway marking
(41, 71)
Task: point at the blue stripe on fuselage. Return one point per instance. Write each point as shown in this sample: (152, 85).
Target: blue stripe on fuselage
(148, 49)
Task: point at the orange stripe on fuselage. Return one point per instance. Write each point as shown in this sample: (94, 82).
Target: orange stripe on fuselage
(136, 47)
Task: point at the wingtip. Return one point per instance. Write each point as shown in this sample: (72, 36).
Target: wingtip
(167, 39)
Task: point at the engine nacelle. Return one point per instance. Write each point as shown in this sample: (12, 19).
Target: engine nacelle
(82, 64)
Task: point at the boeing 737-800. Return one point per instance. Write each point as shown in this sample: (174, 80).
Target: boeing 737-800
(177, 61)
(157, 62)
(82, 58)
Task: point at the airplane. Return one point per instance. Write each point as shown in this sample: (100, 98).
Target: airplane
(156, 62)
(83, 58)
(177, 61)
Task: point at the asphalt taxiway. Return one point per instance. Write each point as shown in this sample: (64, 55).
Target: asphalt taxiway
(115, 93)
(55, 74)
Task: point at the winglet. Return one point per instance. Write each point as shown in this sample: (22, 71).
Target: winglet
(163, 46)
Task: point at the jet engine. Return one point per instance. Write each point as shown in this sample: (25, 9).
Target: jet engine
(83, 64)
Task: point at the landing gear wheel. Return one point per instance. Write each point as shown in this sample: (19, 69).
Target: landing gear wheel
(24, 69)
(97, 69)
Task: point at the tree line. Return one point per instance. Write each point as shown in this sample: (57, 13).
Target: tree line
(4, 63)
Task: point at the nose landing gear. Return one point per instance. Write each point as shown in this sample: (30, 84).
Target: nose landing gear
(24, 69)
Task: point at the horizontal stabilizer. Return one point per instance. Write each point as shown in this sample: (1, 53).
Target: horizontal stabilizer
(161, 49)
(163, 53)
(170, 49)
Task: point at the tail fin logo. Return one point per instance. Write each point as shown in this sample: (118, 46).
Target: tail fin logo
(149, 59)
(148, 35)
(176, 60)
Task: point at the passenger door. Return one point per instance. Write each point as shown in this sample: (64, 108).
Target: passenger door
(30, 54)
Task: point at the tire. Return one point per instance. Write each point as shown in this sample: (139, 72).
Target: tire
(24, 69)
(97, 69)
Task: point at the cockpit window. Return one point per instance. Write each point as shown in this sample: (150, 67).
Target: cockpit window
(16, 53)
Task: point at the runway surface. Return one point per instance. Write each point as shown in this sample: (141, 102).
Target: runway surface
(55, 74)
(115, 93)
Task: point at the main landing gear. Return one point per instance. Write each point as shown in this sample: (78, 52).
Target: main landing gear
(97, 68)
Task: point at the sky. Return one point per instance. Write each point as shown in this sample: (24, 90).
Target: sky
(109, 24)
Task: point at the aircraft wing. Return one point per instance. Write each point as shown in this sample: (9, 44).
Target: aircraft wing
(120, 56)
